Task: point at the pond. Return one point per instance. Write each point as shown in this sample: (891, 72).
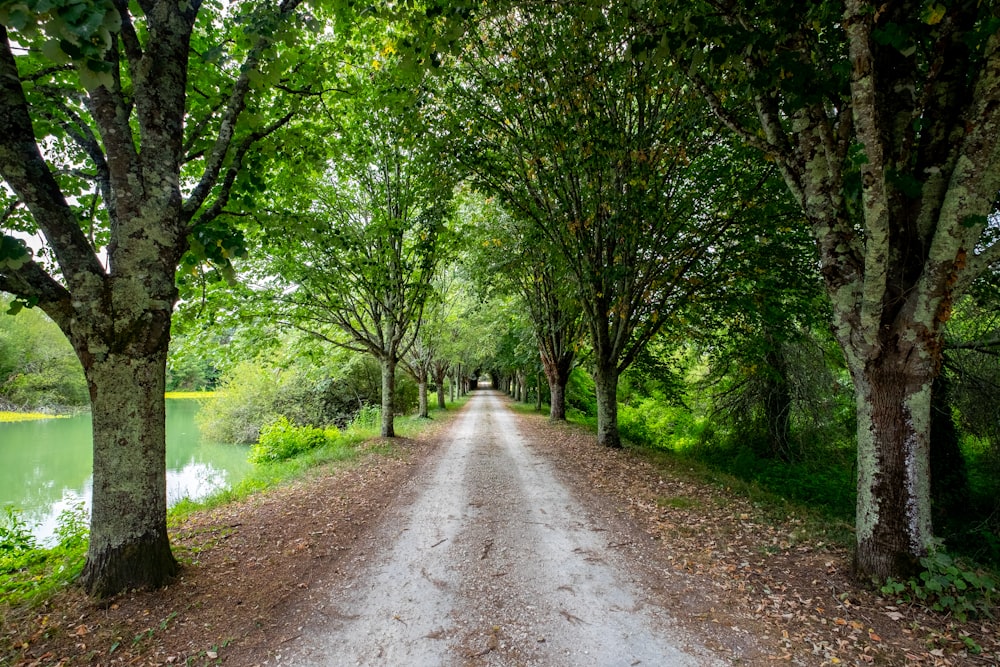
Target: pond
(46, 465)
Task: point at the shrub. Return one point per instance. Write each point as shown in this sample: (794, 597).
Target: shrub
(16, 541)
(367, 418)
(946, 586)
(281, 440)
(29, 571)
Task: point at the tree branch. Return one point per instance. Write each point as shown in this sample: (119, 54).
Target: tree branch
(26, 172)
(227, 128)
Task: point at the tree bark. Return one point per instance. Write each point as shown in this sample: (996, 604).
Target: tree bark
(538, 395)
(440, 374)
(422, 396)
(893, 397)
(388, 397)
(129, 547)
(777, 404)
(557, 373)
(606, 386)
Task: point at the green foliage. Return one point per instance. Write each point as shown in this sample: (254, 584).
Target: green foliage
(947, 586)
(29, 571)
(15, 540)
(657, 424)
(38, 368)
(823, 480)
(581, 401)
(367, 418)
(307, 382)
(280, 440)
(248, 398)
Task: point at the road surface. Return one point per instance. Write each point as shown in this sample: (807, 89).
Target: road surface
(491, 560)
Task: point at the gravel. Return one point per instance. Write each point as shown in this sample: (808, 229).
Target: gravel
(491, 560)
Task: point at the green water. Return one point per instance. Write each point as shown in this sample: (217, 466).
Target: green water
(45, 465)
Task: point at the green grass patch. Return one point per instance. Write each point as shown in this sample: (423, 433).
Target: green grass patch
(676, 502)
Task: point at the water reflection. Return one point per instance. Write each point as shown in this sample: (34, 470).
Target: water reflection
(45, 466)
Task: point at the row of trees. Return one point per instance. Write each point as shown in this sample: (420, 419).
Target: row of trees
(648, 163)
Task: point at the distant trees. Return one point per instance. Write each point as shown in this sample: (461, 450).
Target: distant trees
(38, 369)
(512, 257)
(355, 266)
(612, 160)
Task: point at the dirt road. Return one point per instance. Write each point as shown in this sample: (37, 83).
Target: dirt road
(491, 560)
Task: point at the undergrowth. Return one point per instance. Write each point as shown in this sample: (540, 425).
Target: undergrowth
(949, 586)
(30, 572)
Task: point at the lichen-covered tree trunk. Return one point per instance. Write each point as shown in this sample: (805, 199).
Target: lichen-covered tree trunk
(440, 374)
(893, 398)
(606, 386)
(128, 547)
(422, 396)
(388, 363)
(557, 374)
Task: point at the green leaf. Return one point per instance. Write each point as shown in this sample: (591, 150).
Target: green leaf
(933, 14)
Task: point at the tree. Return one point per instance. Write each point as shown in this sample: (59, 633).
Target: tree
(123, 130)
(362, 256)
(883, 119)
(610, 159)
(38, 368)
(516, 258)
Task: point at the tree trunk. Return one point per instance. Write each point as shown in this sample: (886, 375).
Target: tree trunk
(440, 373)
(422, 394)
(777, 404)
(606, 385)
(538, 396)
(893, 397)
(557, 374)
(129, 547)
(388, 397)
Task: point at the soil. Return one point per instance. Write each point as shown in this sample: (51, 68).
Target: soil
(497, 538)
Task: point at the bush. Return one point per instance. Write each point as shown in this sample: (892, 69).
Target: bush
(947, 586)
(29, 571)
(281, 440)
(16, 541)
(581, 396)
(247, 400)
(308, 390)
(367, 418)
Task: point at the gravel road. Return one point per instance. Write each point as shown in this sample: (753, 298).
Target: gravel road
(490, 560)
